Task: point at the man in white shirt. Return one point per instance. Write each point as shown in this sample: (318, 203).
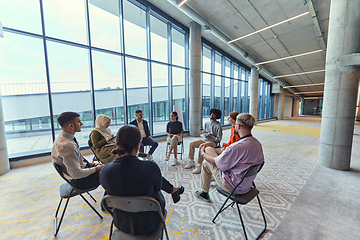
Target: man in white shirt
(146, 139)
(66, 152)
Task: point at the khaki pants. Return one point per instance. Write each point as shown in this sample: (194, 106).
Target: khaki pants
(174, 141)
(207, 170)
(199, 144)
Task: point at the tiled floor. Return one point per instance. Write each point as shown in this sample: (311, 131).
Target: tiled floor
(29, 195)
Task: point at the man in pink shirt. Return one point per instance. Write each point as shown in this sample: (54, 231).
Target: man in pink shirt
(228, 166)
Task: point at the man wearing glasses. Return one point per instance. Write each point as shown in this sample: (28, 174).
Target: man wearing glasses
(227, 166)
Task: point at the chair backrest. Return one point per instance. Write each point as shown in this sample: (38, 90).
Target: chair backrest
(248, 173)
(61, 170)
(132, 204)
(91, 147)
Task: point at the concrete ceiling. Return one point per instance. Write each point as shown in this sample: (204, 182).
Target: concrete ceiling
(235, 18)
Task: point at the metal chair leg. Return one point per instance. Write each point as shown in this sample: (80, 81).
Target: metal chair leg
(90, 205)
(56, 226)
(242, 222)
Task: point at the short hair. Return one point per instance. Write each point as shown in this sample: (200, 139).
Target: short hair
(138, 111)
(247, 119)
(216, 111)
(67, 117)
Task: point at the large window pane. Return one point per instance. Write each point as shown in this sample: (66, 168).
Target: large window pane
(158, 40)
(109, 99)
(217, 96)
(226, 100)
(20, 14)
(160, 97)
(137, 88)
(135, 30)
(178, 78)
(178, 48)
(206, 60)
(217, 64)
(104, 24)
(66, 20)
(24, 95)
(227, 68)
(206, 78)
(70, 84)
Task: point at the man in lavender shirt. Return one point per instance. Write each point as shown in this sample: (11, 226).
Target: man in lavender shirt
(228, 166)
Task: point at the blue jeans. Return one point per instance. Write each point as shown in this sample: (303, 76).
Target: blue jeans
(147, 142)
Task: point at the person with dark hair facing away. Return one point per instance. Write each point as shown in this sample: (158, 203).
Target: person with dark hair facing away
(146, 139)
(174, 130)
(66, 153)
(102, 139)
(212, 134)
(130, 176)
(227, 166)
(234, 136)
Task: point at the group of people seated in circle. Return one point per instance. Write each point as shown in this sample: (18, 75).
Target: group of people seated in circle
(122, 173)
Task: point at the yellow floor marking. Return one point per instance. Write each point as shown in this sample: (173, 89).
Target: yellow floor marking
(289, 129)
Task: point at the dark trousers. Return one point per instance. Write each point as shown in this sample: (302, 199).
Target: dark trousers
(166, 186)
(88, 182)
(147, 142)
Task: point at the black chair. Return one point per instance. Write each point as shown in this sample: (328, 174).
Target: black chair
(181, 143)
(95, 158)
(243, 199)
(68, 190)
(134, 204)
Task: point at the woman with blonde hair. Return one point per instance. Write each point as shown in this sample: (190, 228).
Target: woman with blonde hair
(102, 139)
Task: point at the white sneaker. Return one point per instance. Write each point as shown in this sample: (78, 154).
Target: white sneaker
(167, 158)
(190, 164)
(175, 162)
(149, 157)
(197, 170)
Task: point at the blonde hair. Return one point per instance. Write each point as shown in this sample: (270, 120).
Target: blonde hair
(247, 119)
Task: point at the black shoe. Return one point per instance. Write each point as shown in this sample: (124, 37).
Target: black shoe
(142, 155)
(176, 195)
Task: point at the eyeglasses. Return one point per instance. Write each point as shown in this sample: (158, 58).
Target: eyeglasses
(171, 115)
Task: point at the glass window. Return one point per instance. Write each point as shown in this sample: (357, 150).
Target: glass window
(24, 94)
(235, 88)
(178, 47)
(227, 68)
(137, 88)
(134, 30)
(158, 40)
(105, 24)
(66, 20)
(217, 64)
(226, 100)
(217, 95)
(22, 15)
(160, 97)
(70, 84)
(206, 78)
(109, 98)
(178, 79)
(206, 60)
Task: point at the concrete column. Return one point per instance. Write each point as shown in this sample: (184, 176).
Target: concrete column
(341, 85)
(195, 79)
(295, 110)
(4, 159)
(280, 107)
(253, 92)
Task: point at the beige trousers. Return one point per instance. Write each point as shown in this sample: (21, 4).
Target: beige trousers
(207, 170)
(199, 144)
(174, 141)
